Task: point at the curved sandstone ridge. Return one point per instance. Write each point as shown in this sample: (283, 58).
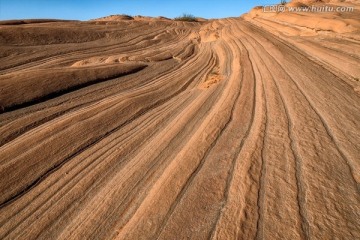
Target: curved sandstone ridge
(225, 129)
(310, 17)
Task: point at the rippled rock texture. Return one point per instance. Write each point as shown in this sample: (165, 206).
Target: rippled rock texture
(236, 128)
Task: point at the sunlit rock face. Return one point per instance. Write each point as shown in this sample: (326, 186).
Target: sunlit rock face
(148, 128)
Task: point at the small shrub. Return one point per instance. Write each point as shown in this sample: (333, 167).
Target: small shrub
(283, 2)
(186, 17)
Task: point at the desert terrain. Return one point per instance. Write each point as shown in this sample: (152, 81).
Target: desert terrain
(149, 128)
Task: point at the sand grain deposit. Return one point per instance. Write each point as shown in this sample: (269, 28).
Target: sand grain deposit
(149, 128)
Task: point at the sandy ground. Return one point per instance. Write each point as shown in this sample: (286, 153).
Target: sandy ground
(237, 128)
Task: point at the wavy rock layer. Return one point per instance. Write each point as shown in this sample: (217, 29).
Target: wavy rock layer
(226, 129)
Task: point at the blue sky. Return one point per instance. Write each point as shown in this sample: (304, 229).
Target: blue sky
(89, 9)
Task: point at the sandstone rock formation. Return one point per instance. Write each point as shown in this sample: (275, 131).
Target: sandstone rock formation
(236, 128)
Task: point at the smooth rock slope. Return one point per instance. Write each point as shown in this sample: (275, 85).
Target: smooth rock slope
(236, 128)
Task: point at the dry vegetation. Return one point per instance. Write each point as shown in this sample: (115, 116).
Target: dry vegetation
(186, 18)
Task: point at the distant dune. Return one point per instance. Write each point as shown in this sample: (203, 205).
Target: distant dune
(115, 18)
(30, 21)
(131, 127)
